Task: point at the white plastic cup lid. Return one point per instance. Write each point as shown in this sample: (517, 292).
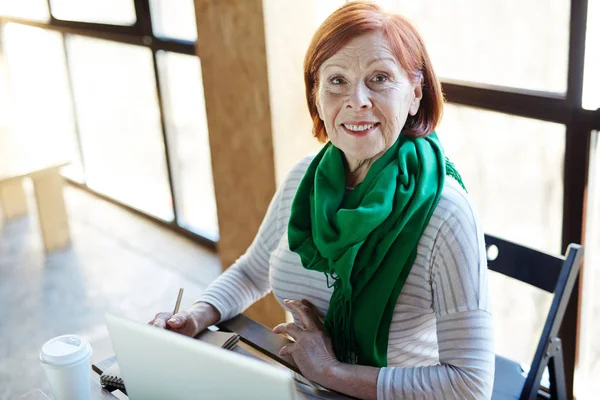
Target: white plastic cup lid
(64, 350)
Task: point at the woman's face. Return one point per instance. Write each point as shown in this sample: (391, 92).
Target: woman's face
(364, 97)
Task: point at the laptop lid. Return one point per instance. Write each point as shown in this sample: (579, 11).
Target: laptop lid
(159, 364)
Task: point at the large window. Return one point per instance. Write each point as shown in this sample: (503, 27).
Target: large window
(28, 9)
(185, 116)
(121, 135)
(507, 43)
(40, 107)
(513, 169)
(114, 87)
(174, 19)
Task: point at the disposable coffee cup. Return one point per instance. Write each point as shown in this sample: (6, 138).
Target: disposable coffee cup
(66, 361)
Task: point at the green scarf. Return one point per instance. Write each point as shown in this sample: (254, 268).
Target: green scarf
(366, 241)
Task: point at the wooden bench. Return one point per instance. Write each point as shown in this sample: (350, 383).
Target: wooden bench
(48, 186)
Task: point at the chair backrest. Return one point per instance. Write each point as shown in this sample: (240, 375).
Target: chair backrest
(554, 274)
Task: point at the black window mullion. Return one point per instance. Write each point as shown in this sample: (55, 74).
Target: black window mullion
(577, 149)
(174, 45)
(128, 36)
(96, 27)
(578, 27)
(142, 13)
(80, 29)
(545, 106)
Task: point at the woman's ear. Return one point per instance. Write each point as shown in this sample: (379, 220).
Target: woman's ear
(418, 95)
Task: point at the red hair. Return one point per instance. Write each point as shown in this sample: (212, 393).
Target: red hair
(360, 17)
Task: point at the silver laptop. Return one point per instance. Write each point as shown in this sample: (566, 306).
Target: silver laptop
(158, 364)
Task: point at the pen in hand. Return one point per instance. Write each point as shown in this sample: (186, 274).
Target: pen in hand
(173, 320)
(176, 310)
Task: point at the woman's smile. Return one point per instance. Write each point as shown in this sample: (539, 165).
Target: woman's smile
(359, 128)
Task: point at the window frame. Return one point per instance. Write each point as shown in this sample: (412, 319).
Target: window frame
(138, 34)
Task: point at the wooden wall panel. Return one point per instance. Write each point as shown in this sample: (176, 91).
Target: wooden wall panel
(231, 47)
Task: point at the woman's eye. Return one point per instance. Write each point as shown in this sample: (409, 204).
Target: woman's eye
(380, 78)
(336, 80)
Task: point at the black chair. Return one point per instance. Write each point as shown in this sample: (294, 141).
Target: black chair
(555, 275)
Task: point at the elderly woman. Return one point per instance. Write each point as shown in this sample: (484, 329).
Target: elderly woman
(372, 244)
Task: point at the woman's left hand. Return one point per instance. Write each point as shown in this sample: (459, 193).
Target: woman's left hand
(312, 350)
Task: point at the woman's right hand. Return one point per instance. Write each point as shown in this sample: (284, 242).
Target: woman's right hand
(190, 322)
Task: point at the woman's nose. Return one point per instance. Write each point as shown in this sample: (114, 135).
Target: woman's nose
(359, 98)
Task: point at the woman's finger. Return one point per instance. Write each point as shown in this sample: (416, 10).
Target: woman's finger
(160, 320)
(288, 349)
(304, 312)
(316, 312)
(310, 305)
(290, 328)
(178, 320)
